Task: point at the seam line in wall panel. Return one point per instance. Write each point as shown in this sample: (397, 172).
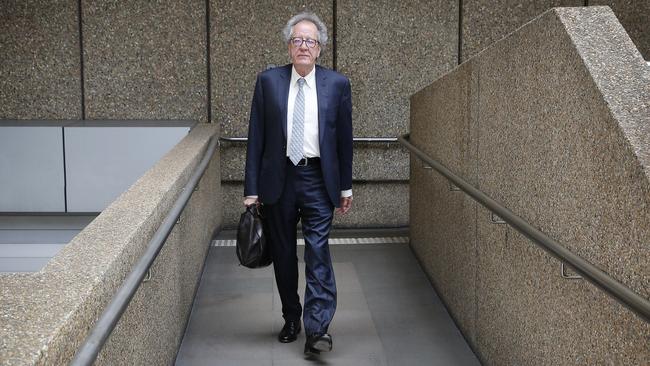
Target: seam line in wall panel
(476, 208)
(460, 30)
(65, 179)
(208, 61)
(334, 66)
(81, 64)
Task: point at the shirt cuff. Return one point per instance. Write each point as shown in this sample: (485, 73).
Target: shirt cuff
(346, 193)
(251, 197)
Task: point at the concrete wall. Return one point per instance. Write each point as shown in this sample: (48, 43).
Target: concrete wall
(487, 21)
(145, 60)
(47, 314)
(552, 122)
(634, 15)
(40, 65)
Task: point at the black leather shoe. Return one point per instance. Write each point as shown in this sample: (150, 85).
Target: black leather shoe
(318, 343)
(289, 332)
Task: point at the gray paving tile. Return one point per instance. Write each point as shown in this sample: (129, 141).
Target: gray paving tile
(354, 338)
(327, 361)
(403, 297)
(229, 336)
(245, 285)
(234, 302)
(200, 360)
(233, 270)
(387, 314)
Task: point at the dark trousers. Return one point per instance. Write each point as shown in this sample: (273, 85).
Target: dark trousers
(304, 198)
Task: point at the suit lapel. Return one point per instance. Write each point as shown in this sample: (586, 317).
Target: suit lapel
(321, 93)
(284, 97)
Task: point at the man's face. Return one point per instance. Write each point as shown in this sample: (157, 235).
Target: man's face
(303, 56)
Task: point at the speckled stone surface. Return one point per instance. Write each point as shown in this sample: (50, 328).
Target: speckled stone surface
(376, 162)
(634, 15)
(443, 221)
(145, 60)
(376, 204)
(245, 38)
(487, 21)
(389, 51)
(45, 315)
(39, 67)
(561, 115)
(567, 96)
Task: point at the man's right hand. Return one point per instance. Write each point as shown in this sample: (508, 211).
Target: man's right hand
(250, 201)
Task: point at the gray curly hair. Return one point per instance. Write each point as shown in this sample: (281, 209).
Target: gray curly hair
(311, 17)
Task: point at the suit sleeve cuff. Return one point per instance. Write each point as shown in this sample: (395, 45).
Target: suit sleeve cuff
(346, 193)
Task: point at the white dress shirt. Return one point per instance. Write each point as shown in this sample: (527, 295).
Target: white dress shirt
(310, 139)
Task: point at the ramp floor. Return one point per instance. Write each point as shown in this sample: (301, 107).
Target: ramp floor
(387, 314)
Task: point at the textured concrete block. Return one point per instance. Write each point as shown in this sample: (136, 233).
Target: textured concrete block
(371, 162)
(634, 15)
(380, 162)
(375, 204)
(443, 238)
(560, 114)
(525, 306)
(174, 280)
(443, 220)
(563, 144)
(145, 60)
(245, 38)
(389, 51)
(40, 75)
(487, 21)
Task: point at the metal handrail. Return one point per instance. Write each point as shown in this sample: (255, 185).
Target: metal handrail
(355, 139)
(595, 275)
(94, 342)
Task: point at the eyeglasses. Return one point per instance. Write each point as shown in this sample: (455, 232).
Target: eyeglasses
(297, 42)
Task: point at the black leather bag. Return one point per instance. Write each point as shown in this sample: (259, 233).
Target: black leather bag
(252, 244)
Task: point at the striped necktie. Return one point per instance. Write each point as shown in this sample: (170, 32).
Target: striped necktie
(298, 129)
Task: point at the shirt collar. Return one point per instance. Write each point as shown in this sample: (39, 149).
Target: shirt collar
(310, 79)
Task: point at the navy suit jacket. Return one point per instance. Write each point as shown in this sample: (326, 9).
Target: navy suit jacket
(266, 157)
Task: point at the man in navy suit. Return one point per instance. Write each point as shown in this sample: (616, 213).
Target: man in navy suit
(299, 166)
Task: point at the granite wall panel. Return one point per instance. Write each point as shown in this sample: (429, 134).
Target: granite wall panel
(442, 221)
(371, 162)
(560, 118)
(389, 51)
(486, 21)
(376, 204)
(635, 17)
(40, 75)
(557, 147)
(145, 60)
(245, 38)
